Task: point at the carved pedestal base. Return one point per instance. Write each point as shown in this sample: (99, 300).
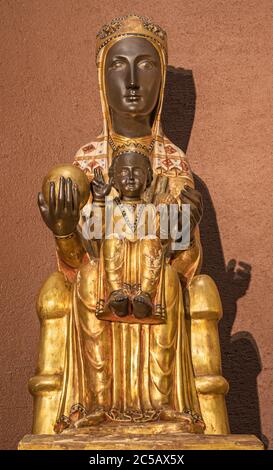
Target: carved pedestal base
(144, 436)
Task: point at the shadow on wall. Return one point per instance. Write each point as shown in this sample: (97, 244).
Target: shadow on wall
(240, 356)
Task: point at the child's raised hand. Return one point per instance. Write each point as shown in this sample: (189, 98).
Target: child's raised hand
(99, 188)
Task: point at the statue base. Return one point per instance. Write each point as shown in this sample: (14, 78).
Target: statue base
(142, 436)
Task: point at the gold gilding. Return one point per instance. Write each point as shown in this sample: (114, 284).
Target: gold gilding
(67, 171)
(91, 369)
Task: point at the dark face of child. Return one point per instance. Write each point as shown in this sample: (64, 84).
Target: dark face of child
(130, 175)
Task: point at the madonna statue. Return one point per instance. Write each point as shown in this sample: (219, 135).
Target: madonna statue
(92, 370)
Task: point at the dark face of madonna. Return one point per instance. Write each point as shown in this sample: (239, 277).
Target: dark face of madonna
(132, 77)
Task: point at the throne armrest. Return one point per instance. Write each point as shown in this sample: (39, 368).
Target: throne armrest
(204, 312)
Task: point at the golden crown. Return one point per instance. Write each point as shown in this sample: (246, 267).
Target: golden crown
(134, 147)
(133, 25)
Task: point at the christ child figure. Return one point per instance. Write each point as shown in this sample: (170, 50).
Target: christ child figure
(132, 255)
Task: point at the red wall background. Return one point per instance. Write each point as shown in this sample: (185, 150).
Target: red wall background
(50, 107)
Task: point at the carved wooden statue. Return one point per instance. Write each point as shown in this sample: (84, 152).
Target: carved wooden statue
(128, 326)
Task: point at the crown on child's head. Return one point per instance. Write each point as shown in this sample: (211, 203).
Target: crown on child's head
(131, 147)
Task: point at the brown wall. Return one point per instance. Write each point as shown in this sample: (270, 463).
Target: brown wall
(50, 107)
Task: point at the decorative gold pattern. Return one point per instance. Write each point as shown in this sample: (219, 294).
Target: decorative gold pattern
(124, 26)
(121, 144)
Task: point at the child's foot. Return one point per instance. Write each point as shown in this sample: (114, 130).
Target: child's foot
(142, 305)
(118, 302)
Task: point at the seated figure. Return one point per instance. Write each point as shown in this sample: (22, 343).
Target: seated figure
(92, 370)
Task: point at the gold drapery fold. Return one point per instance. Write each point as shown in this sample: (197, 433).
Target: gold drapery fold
(131, 371)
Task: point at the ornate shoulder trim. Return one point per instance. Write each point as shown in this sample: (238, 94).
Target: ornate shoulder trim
(91, 156)
(170, 160)
(92, 149)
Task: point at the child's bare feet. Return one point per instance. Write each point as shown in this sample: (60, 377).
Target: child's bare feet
(118, 302)
(142, 305)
